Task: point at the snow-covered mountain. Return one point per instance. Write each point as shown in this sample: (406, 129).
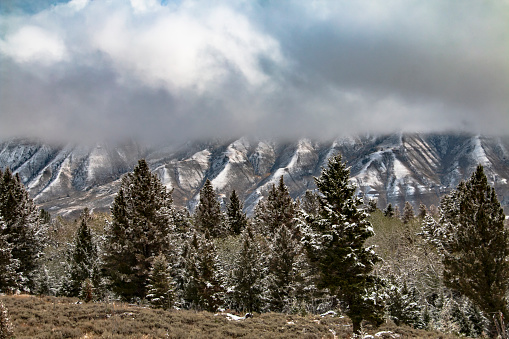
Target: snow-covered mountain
(415, 167)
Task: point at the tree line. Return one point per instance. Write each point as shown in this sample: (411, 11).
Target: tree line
(446, 268)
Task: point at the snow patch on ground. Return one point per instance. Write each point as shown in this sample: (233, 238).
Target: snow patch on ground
(479, 154)
(98, 159)
(201, 157)
(164, 175)
(400, 171)
(236, 153)
(368, 175)
(221, 180)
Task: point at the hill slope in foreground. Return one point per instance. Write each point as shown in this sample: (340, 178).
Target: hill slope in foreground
(50, 317)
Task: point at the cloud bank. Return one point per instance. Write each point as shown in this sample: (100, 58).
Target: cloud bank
(181, 70)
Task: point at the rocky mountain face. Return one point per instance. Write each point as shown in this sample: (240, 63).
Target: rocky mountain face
(392, 169)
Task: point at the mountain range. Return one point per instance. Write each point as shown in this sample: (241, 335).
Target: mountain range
(419, 168)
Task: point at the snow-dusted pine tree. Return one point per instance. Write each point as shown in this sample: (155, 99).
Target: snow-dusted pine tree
(248, 274)
(341, 230)
(236, 218)
(403, 305)
(160, 286)
(83, 257)
(22, 229)
(287, 268)
(277, 210)
(9, 278)
(202, 283)
(474, 244)
(310, 203)
(142, 221)
(208, 217)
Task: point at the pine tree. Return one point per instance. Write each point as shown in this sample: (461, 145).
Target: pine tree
(342, 229)
(422, 211)
(408, 213)
(403, 305)
(236, 218)
(160, 287)
(287, 270)
(202, 287)
(474, 243)
(141, 227)
(9, 278)
(277, 210)
(310, 203)
(372, 205)
(83, 258)
(208, 216)
(6, 329)
(22, 229)
(389, 211)
(247, 276)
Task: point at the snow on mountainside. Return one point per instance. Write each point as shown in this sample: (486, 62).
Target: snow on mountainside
(394, 168)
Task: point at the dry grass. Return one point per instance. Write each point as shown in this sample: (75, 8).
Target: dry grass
(50, 317)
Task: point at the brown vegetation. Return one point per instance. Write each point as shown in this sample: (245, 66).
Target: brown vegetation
(50, 317)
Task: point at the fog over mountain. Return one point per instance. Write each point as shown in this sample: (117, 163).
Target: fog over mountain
(182, 70)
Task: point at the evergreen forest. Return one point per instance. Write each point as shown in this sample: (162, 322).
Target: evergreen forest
(442, 268)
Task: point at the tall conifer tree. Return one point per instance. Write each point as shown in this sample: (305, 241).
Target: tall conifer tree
(247, 276)
(202, 286)
(208, 216)
(474, 243)
(160, 286)
(21, 229)
(278, 209)
(236, 218)
(9, 278)
(142, 219)
(83, 261)
(341, 230)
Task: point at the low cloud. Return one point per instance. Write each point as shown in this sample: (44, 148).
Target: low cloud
(180, 70)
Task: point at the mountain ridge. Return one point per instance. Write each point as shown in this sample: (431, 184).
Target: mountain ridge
(391, 168)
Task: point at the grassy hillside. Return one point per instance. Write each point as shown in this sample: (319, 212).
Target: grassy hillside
(50, 317)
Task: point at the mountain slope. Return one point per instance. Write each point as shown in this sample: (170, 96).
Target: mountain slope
(392, 168)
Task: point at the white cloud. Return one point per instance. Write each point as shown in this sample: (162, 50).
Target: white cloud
(196, 68)
(34, 44)
(180, 51)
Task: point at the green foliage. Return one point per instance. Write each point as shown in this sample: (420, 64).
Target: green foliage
(288, 270)
(236, 218)
(142, 221)
(277, 210)
(202, 282)
(310, 203)
(9, 278)
(403, 305)
(21, 231)
(247, 275)
(389, 211)
(83, 259)
(474, 244)
(341, 228)
(160, 286)
(208, 216)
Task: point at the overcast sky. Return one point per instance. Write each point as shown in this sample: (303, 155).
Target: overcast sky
(180, 70)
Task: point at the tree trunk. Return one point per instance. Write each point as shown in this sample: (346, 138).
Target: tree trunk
(356, 326)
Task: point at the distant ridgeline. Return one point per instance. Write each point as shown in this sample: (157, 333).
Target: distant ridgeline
(418, 168)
